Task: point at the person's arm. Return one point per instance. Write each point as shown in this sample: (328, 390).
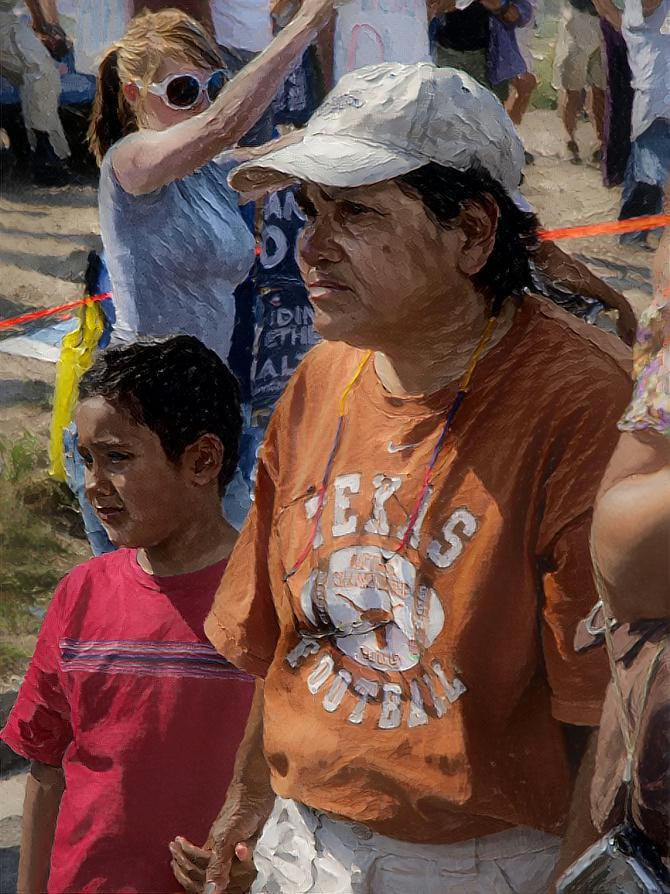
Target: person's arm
(650, 6)
(567, 272)
(630, 536)
(224, 864)
(505, 10)
(44, 789)
(608, 11)
(151, 159)
(37, 14)
(579, 833)
(247, 153)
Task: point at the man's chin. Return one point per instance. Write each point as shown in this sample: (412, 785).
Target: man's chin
(338, 327)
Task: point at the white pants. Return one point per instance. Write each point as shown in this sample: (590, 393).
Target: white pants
(25, 62)
(302, 851)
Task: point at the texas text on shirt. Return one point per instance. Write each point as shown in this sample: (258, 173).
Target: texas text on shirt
(433, 712)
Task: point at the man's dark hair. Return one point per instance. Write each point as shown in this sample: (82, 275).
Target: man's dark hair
(444, 190)
(178, 388)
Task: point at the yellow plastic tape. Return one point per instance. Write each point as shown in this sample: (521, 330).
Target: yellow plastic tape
(76, 356)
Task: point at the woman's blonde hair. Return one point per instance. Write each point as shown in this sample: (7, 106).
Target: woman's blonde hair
(150, 39)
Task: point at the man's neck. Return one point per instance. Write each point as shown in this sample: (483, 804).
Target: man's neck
(425, 364)
(196, 546)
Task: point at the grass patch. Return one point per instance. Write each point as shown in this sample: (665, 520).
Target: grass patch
(38, 517)
(13, 659)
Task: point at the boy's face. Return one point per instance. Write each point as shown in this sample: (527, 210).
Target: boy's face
(139, 495)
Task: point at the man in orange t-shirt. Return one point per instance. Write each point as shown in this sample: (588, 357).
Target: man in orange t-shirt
(413, 570)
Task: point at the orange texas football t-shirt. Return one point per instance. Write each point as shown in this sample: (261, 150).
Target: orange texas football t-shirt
(422, 694)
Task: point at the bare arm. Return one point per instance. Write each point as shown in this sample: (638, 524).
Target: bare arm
(566, 271)
(630, 537)
(608, 11)
(510, 15)
(37, 14)
(151, 159)
(44, 789)
(649, 6)
(580, 832)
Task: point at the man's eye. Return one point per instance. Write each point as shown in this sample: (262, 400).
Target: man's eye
(353, 209)
(86, 457)
(117, 457)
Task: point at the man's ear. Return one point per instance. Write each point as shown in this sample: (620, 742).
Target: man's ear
(203, 460)
(131, 93)
(478, 221)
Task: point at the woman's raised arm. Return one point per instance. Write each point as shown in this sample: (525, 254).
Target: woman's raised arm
(150, 159)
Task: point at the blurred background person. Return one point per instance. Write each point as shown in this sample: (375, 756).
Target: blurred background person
(578, 66)
(618, 94)
(29, 50)
(92, 26)
(646, 30)
(479, 38)
(630, 542)
(631, 526)
(523, 84)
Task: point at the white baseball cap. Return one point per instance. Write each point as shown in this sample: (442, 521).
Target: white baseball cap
(383, 121)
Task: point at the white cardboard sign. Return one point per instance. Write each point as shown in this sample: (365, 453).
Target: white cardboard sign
(372, 31)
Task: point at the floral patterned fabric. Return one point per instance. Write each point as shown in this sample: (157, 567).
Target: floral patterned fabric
(650, 407)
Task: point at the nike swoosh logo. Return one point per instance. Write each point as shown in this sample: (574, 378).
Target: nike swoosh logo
(396, 448)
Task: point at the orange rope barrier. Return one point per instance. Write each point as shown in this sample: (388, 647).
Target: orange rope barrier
(49, 311)
(610, 228)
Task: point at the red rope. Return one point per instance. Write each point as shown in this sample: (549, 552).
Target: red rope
(49, 311)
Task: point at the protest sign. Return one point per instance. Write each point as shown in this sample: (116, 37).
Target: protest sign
(284, 316)
(371, 31)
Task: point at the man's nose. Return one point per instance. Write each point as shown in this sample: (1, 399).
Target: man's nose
(318, 242)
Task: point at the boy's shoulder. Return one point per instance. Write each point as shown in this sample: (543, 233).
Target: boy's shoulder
(98, 571)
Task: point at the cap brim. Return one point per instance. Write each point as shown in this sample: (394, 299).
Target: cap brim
(328, 160)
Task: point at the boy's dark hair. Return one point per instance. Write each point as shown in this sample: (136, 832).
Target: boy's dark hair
(178, 388)
(444, 190)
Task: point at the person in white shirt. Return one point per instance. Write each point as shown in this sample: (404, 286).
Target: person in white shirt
(26, 49)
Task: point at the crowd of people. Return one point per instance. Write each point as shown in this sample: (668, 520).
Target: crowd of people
(415, 639)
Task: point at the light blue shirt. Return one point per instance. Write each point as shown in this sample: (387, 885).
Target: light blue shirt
(175, 255)
(648, 43)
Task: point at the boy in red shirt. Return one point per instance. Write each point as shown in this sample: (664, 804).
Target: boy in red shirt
(126, 707)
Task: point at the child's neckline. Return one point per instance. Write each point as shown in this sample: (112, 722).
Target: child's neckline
(185, 580)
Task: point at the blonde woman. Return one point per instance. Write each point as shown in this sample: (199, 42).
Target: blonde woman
(175, 242)
(176, 245)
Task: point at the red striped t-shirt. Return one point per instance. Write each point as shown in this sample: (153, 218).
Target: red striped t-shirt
(144, 716)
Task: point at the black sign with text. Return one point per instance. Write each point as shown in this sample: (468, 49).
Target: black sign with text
(284, 316)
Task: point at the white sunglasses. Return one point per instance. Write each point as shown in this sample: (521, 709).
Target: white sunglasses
(184, 91)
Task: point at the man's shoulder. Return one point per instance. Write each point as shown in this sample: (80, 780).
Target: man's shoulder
(578, 353)
(327, 367)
